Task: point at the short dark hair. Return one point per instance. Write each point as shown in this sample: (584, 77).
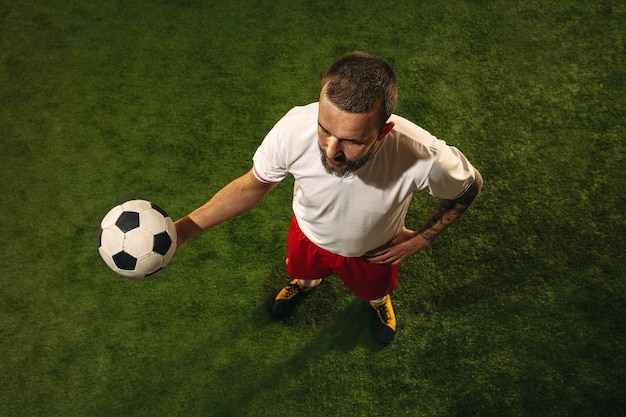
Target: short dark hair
(359, 82)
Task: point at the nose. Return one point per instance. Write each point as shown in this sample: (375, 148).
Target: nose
(333, 147)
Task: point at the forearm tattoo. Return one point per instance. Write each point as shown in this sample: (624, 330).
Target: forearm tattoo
(448, 211)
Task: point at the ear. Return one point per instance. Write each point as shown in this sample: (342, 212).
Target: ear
(385, 130)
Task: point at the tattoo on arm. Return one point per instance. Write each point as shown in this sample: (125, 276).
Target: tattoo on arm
(448, 211)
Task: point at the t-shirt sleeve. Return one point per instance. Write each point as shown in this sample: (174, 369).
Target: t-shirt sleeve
(268, 160)
(451, 174)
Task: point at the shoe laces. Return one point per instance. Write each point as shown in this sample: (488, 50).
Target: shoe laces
(292, 290)
(383, 312)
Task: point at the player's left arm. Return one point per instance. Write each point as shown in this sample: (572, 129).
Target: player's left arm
(409, 242)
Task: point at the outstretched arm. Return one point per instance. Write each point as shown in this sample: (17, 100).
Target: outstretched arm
(235, 198)
(409, 242)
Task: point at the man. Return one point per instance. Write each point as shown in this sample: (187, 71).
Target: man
(356, 166)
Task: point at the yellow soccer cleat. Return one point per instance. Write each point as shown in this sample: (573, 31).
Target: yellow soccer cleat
(287, 298)
(384, 325)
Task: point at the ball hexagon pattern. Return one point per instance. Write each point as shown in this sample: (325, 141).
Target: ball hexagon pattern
(137, 238)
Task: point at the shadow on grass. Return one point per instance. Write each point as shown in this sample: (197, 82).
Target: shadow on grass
(437, 285)
(345, 318)
(328, 324)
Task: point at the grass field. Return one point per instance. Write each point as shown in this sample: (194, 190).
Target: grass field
(517, 310)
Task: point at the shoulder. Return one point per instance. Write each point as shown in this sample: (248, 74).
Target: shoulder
(412, 140)
(290, 140)
(411, 131)
(301, 113)
(295, 122)
(296, 126)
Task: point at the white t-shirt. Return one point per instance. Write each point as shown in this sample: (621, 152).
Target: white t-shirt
(353, 215)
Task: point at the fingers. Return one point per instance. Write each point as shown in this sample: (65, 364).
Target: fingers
(385, 257)
(394, 254)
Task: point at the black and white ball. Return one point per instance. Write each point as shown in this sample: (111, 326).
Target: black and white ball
(137, 238)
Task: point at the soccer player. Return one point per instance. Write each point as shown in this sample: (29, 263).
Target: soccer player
(356, 166)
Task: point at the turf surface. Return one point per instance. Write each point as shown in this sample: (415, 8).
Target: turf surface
(518, 310)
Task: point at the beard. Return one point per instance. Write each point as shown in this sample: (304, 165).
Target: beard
(347, 167)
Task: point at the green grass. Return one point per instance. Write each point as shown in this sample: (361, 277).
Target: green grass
(518, 310)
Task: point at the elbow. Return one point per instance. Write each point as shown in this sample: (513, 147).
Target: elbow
(478, 181)
(472, 191)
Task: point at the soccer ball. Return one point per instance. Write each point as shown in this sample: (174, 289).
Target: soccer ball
(137, 238)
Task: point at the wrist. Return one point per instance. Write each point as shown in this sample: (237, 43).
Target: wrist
(186, 229)
(427, 237)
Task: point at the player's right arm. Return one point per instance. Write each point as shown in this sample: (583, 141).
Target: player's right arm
(235, 198)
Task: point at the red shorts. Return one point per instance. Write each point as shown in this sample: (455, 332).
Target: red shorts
(305, 260)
